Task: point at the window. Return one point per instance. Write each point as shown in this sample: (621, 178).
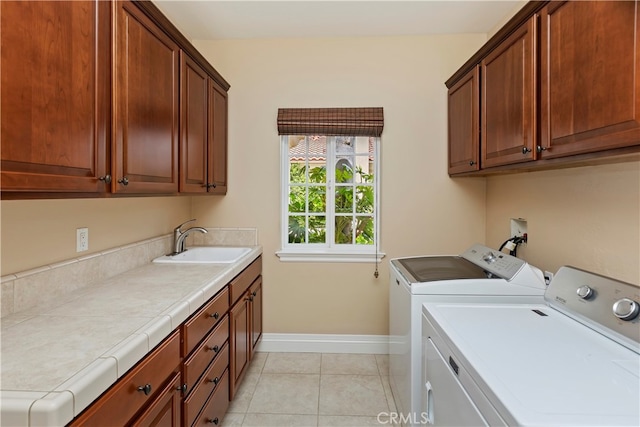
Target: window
(330, 197)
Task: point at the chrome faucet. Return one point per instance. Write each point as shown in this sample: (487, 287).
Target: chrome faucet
(179, 236)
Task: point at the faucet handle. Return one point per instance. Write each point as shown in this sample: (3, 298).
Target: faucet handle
(186, 222)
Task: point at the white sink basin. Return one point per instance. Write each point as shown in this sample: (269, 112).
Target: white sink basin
(205, 255)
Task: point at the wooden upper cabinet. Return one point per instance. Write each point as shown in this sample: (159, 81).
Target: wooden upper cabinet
(590, 77)
(146, 104)
(463, 121)
(203, 131)
(193, 126)
(508, 130)
(54, 96)
(218, 116)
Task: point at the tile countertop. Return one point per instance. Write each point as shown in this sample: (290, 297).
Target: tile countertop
(57, 359)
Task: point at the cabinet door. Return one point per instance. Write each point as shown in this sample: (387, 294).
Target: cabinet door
(464, 115)
(146, 105)
(54, 95)
(509, 100)
(255, 295)
(193, 126)
(239, 341)
(217, 138)
(165, 410)
(590, 78)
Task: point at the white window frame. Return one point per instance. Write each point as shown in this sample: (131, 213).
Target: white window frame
(329, 251)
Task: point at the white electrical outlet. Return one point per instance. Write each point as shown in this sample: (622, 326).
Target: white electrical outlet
(82, 239)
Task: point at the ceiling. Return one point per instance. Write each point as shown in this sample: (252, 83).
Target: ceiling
(239, 19)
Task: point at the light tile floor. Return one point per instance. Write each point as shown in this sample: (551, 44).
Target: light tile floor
(313, 389)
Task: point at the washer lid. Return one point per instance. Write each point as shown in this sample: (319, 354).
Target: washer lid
(436, 268)
(539, 367)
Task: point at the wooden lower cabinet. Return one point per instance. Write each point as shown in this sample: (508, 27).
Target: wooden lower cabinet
(239, 339)
(245, 319)
(138, 390)
(255, 304)
(166, 409)
(190, 378)
(216, 406)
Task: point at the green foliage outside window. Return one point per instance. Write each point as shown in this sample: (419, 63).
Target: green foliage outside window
(346, 223)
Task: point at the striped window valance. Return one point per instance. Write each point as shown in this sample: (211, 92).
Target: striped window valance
(331, 121)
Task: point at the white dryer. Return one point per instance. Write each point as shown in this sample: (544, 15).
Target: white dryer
(573, 360)
(480, 274)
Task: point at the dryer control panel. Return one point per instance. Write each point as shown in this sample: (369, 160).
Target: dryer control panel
(495, 262)
(607, 305)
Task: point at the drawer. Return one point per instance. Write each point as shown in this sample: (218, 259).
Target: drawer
(205, 353)
(242, 281)
(121, 402)
(216, 406)
(210, 381)
(199, 325)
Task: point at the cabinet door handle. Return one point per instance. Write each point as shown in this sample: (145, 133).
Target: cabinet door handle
(146, 389)
(540, 148)
(215, 348)
(215, 315)
(254, 293)
(215, 381)
(182, 388)
(124, 181)
(526, 150)
(106, 179)
(210, 185)
(471, 163)
(214, 421)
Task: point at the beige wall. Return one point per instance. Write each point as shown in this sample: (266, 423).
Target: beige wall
(588, 217)
(40, 232)
(423, 211)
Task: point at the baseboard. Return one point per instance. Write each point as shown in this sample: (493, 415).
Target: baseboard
(324, 343)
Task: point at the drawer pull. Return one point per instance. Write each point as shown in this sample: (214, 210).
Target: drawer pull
(214, 421)
(215, 348)
(215, 381)
(254, 293)
(215, 315)
(146, 389)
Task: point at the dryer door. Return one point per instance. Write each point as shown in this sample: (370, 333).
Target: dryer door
(444, 400)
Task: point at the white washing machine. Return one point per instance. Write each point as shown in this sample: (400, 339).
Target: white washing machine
(479, 275)
(573, 360)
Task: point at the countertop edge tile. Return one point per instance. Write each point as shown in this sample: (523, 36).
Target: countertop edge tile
(195, 301)
(15, 406)
(56, 408)
(178, 312)
(128, 352)
(156, 330)
(89, 383)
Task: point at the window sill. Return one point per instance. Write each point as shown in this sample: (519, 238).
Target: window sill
(288, 255)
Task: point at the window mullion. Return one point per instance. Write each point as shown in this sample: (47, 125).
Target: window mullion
(331, 191)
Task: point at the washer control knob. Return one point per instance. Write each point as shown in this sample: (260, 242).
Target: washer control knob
(489, 257)
(585, 292)
(626, 309)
